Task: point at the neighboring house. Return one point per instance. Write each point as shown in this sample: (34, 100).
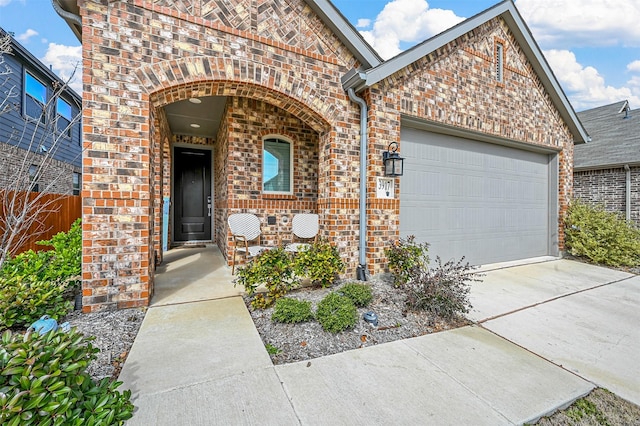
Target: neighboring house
(47, 142)
(607, 169)
(191, 101)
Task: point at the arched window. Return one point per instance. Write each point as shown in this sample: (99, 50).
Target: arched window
(277, 166)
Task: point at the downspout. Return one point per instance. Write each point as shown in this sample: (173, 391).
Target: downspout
(362, 268)
(64, 14)
(628, 193)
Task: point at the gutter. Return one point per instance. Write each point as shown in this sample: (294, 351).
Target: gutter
(628, 193)
(362, 268)
(64, 14)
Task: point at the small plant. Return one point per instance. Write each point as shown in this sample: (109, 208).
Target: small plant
(336, 313)
(43, 381)
(405, 258)
(23, 301)
(320, 263)
(442, 290)
(272, 350)
(292, 311)
(601, 236)
(274, 269)
(360, 294)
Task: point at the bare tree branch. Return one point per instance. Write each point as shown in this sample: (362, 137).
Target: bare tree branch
(24, 210)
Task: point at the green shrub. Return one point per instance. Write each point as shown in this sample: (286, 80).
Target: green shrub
(43, 381)
(360, 294)
(291, 311)
(336, 313)
(601, 236)
(62, 262)
(320, 263)
(442, 290)
(274, 269)
(406, 258)
(23, 301)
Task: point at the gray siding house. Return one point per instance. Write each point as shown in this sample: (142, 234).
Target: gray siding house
(38, 125)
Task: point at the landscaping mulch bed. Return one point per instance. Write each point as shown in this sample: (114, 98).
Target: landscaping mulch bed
(298, 342)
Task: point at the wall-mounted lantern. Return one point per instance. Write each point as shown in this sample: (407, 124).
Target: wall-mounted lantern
(393, 163)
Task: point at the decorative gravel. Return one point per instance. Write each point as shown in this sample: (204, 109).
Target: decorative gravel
(114, 333)
(298, 342)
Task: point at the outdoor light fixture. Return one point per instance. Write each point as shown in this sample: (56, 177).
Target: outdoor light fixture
(393, 163)
(195, 100)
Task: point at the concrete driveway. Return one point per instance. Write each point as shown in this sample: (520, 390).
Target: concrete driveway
(581, 317)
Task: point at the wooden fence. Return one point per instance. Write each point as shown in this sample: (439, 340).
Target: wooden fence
(65, 209)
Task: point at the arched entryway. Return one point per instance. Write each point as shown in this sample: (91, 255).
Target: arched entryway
(209, 141)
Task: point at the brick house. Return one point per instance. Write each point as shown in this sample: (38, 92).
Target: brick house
(47, 138)
(209, 92)
(607, 169)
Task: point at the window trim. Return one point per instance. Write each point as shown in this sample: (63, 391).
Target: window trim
(291, 164)
(25, 93)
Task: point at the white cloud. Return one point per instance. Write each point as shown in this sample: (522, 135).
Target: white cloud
(363, 23)
(634, 66)
(25, 36)
(66, 61)
(4, 2)
(584, 85)
(407, 21)
(571, 23)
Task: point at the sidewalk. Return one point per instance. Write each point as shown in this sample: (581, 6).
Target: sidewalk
(203, 363)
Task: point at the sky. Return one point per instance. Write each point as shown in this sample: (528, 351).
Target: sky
(592, 46)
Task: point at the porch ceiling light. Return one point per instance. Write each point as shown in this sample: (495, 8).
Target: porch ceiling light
(195, 100)
(195, 125)
(393, 163)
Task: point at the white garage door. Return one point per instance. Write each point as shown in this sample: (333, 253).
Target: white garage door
(487, 202)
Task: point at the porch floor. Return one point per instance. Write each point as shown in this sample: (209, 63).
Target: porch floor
(191, 274)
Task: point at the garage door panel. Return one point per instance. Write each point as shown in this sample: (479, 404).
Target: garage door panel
(487, 202)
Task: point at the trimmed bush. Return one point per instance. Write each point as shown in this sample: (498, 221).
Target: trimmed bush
(23, 301)
(336, 313)
(360, 294)
(43, 381)
(600, 236)
(291, 311)
(320, 263)
(406, 259)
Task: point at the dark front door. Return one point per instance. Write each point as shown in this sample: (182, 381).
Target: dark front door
(192, 194)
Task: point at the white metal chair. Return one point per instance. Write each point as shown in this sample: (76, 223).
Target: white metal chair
(245, 228)
(304, 226)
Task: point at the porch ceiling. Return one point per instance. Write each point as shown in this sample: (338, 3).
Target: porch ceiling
(207, 114)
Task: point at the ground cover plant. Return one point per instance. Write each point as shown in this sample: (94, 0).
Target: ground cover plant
(602, 237)
(43, 380)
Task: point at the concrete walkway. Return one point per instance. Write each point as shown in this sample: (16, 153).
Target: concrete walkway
(203, 363)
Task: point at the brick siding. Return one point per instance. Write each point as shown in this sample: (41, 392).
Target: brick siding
(280, 69)
(608, 187)
(56, 173)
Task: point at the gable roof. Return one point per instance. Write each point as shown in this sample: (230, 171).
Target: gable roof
(615, 134)
(374, 69)
(35, 65)
(361, 79)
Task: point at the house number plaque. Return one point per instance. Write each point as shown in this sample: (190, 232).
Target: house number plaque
(385, 188)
